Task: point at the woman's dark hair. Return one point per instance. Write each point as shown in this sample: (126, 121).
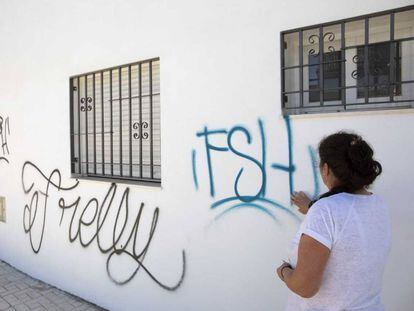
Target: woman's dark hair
(351, 160)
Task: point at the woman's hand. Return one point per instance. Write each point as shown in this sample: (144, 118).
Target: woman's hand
(282, 267)
(301, 200)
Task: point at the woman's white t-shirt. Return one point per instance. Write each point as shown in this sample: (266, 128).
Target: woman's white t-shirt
(356, 229)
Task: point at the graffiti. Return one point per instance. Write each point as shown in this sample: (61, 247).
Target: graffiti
(4, 133)
(194, 165)
(258, 199)
(89, 222)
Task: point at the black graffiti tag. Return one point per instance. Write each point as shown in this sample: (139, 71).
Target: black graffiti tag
(4, 133)
(90, 223)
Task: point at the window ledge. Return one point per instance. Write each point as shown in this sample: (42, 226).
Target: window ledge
(348, 113)
(146, 183)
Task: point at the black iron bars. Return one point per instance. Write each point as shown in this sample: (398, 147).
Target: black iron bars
(105, 109)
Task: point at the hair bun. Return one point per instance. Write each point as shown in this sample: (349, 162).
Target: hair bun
(360, 151)
(360, 155)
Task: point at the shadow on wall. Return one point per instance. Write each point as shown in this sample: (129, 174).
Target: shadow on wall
(115, 235)
(258, 200)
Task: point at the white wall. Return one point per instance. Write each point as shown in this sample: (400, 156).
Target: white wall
(220, 68)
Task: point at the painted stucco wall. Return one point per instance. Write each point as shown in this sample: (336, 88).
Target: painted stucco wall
(220, 70)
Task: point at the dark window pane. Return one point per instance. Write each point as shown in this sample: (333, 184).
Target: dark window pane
(313, 78)
(379, 56)
(398, 76)
(331, 77)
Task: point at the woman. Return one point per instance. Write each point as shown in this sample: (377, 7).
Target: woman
(339, 253)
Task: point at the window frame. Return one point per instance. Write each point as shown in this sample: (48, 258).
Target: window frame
(389, 104)
(98, 74)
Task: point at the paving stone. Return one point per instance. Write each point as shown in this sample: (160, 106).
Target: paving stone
(20, 285)
(3, 304)
(19, 292)
(10, 299)
(33, 294)
(33, 305)
(21, 307)
(81, 308)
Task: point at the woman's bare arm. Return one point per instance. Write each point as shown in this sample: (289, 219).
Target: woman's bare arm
(306, 278)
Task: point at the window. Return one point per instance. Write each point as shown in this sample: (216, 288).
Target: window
(115, 123)
(379, 69)
(361, 63)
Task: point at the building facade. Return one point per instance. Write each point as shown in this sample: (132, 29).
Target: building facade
(149, 148)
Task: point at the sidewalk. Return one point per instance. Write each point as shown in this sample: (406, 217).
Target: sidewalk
(20, 292)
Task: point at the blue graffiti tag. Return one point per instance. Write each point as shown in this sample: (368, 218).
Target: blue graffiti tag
(258, 199)
(209, 147)
(261, 166)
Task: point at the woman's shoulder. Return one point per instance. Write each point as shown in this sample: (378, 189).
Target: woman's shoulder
(332, 201)
(346, 197)
(340, 202)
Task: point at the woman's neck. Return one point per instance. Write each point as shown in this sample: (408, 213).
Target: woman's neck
(360, 191)
(363, 191)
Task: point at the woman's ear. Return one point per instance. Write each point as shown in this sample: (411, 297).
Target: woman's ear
(325, 170)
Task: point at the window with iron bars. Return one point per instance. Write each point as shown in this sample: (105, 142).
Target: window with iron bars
(360, 63)
(115, 123)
